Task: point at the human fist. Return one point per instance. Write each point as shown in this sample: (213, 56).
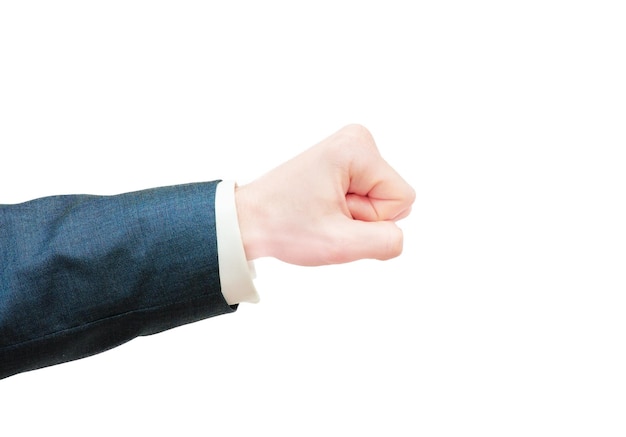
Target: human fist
(334, 203)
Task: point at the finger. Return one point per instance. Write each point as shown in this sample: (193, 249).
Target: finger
(384, 193)
(371, 210)
(367, 240)
(403, 214)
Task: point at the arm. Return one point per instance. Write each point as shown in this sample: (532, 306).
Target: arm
(82, 274)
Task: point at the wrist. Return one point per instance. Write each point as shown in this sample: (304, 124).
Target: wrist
(250, 216)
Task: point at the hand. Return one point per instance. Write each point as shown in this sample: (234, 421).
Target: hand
(336, 202)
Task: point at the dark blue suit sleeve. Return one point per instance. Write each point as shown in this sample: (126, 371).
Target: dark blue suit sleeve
(82, 274)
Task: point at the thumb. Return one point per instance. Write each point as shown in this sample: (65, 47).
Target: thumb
(374, 240)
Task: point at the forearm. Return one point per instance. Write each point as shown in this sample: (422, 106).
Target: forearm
(82, 274)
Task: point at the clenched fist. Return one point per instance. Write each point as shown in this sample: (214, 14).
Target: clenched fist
(334, 203)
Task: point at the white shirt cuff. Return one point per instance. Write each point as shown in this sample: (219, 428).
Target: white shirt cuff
(236, 272)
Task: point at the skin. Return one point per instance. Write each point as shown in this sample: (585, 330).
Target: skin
(336, 202)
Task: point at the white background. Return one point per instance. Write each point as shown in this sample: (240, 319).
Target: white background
(506, 314)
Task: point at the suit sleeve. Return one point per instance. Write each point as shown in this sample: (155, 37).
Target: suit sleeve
(83, 274)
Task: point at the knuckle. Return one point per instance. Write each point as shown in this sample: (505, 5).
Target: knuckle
(411, 195)
(358, 130)
(358, 134)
